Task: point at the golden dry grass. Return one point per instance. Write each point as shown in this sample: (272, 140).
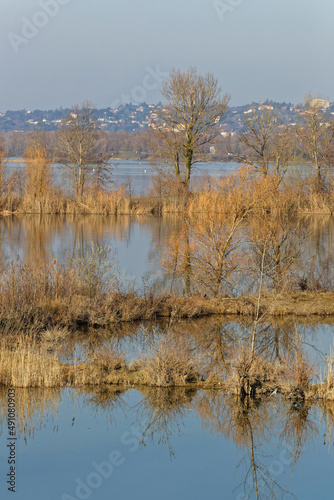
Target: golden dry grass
(170, 362)
(33, 362)
(23, 364)
(35, 297)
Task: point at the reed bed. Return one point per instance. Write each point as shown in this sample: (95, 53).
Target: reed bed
(299, 198)
(169, 361)
(24, 364)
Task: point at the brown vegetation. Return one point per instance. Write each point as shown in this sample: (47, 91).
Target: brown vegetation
(169, 362)
(241, 194)
(32, 361)
(267, 145)
(84, 159)
(37, 296)
(38, 176)
(236, 249)
(22, 364)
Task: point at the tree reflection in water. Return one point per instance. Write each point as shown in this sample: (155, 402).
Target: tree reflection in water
(298, 428)
(248, 422)
(161, 413)
(106, 401)
(252, 424)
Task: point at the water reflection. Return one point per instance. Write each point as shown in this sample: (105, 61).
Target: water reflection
(269, 435)
(161, 413)
(327, 409)
(298, 429)
(139, 244)
(34, 407)
(319, 251)
(105, 401)
(214, 341)
(295, 255)
(41, 238)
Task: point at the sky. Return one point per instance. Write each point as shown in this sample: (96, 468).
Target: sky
(58, 53)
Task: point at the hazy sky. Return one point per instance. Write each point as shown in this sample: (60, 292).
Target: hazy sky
(60, 52)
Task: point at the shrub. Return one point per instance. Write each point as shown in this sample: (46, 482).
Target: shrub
(95, 270)
(169, 363)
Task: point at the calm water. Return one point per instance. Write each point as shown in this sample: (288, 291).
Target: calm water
(136, 176)
(137, 243)
(209, 339)
(163, 444)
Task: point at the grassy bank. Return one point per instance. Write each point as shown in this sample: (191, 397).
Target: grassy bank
(33, 298)
(168, 362)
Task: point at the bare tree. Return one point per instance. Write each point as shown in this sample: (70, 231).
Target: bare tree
(316, 136)
(206, 251)
(3, 170)
(189, 120)
(276, 242)
(81, 150)
(267, 144)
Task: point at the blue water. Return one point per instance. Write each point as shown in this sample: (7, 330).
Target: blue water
(134, 241)
(136, 177)
(200, 450)
(137, 243)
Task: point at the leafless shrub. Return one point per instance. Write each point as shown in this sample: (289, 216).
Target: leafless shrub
(298, 373)
(106, 358)
(250, 373)
(170, 362)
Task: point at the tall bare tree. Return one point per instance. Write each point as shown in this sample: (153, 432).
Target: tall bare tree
(267, 144)
(316, 136)
(276, 241)
(81, 150)
(190, 119)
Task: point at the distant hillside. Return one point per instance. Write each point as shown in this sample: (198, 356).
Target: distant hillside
(130, 117)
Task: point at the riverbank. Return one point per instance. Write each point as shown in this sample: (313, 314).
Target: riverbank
(105, 310)
(120, 307)
(169, 362)
(89, 293)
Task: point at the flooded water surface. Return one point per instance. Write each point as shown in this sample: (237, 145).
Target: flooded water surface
(137, 243)
(164, 443)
